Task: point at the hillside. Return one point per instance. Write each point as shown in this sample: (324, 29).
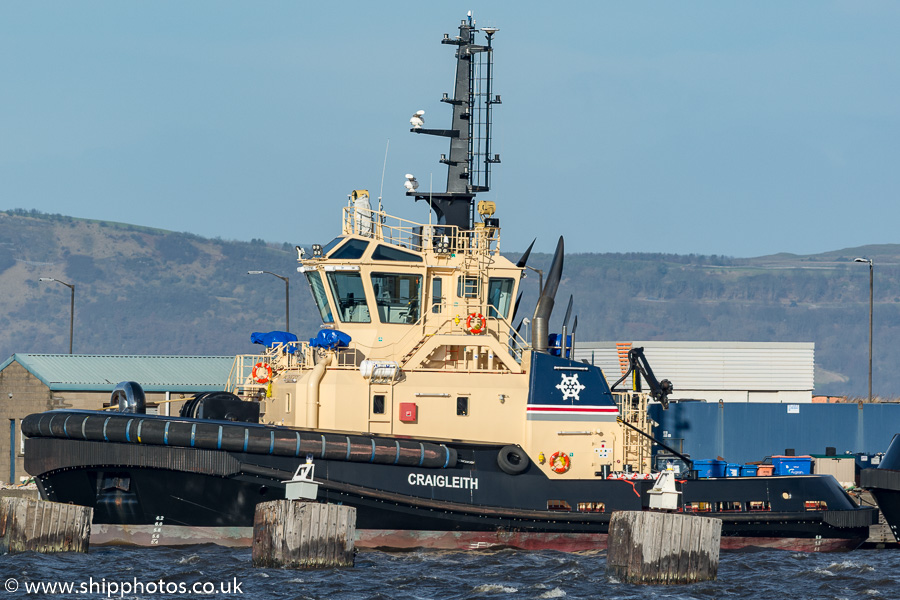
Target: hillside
(147, 291)
(138, 290)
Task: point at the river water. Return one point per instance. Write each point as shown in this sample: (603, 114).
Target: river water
(216, 572)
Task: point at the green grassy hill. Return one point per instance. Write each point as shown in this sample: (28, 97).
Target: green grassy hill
(148, 291)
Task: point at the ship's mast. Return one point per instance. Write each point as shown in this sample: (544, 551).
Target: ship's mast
(469, 162)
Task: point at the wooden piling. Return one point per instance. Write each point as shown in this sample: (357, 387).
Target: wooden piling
(663, 548)
(303, 535)
(28, 525)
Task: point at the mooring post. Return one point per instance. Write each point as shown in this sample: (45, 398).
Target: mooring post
(303, 535)
(663, 548)
(28, 525)
(12, 452)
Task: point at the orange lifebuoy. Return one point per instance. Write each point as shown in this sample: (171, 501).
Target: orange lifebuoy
(262, 372)
(480, 325)
(563, 465)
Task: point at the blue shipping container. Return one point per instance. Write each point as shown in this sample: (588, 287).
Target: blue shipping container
(792, 465)
(732, 470)
(710, 468)
(748, 431)
(748, 470)
(865, 460)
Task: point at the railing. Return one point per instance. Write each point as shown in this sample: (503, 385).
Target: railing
(240, 380)
(515, 343)
(348, 358)
(443, 239)
(278, 358)
(242, 383)
(507, 336)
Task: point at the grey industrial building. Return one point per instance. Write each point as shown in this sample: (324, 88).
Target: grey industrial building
(781, 372)
(32, 383)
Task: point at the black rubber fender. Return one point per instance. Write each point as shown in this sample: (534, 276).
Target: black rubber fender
(189, 408)
(512, 460)
(130, 428)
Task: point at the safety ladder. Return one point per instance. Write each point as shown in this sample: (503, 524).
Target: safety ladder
(636, 447)
(415, 349)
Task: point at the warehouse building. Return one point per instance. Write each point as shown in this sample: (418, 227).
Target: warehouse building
(32, 383)
(779, 372)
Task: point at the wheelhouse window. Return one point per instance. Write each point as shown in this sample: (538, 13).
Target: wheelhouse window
(352, 250)
(318, 292)
(330, 245)
(383, 252)
(397, 296)
(500, 290)
(347, 289)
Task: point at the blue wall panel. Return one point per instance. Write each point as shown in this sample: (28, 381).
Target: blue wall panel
(744, 432)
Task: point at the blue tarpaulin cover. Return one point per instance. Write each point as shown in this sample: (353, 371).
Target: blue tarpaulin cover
(330, 339)
(272, 338)
(554, 340)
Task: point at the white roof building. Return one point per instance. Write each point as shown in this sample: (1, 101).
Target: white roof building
(716, 371)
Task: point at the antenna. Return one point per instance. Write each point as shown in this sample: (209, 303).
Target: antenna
(383, 168)
(470, 160)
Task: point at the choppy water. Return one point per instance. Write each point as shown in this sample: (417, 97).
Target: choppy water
(500, 575)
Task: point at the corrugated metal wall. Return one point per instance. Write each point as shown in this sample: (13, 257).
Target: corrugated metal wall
(752, 369)
(741, 432)
(102, 372)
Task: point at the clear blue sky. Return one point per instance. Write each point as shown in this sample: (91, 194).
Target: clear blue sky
(728, 128)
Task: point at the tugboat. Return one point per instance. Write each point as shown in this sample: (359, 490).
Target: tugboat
(418, 402)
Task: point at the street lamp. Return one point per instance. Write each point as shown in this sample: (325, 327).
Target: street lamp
(71, 307)
(287, 296)
(871, 289)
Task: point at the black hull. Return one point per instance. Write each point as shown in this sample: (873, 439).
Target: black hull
(168, 490)
(884, 483)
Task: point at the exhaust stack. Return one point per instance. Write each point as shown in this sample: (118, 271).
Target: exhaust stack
(541, 322)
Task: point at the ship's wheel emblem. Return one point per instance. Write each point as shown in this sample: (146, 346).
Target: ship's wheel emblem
(570, 387)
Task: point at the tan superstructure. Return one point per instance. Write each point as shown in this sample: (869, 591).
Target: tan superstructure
(432, 351)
